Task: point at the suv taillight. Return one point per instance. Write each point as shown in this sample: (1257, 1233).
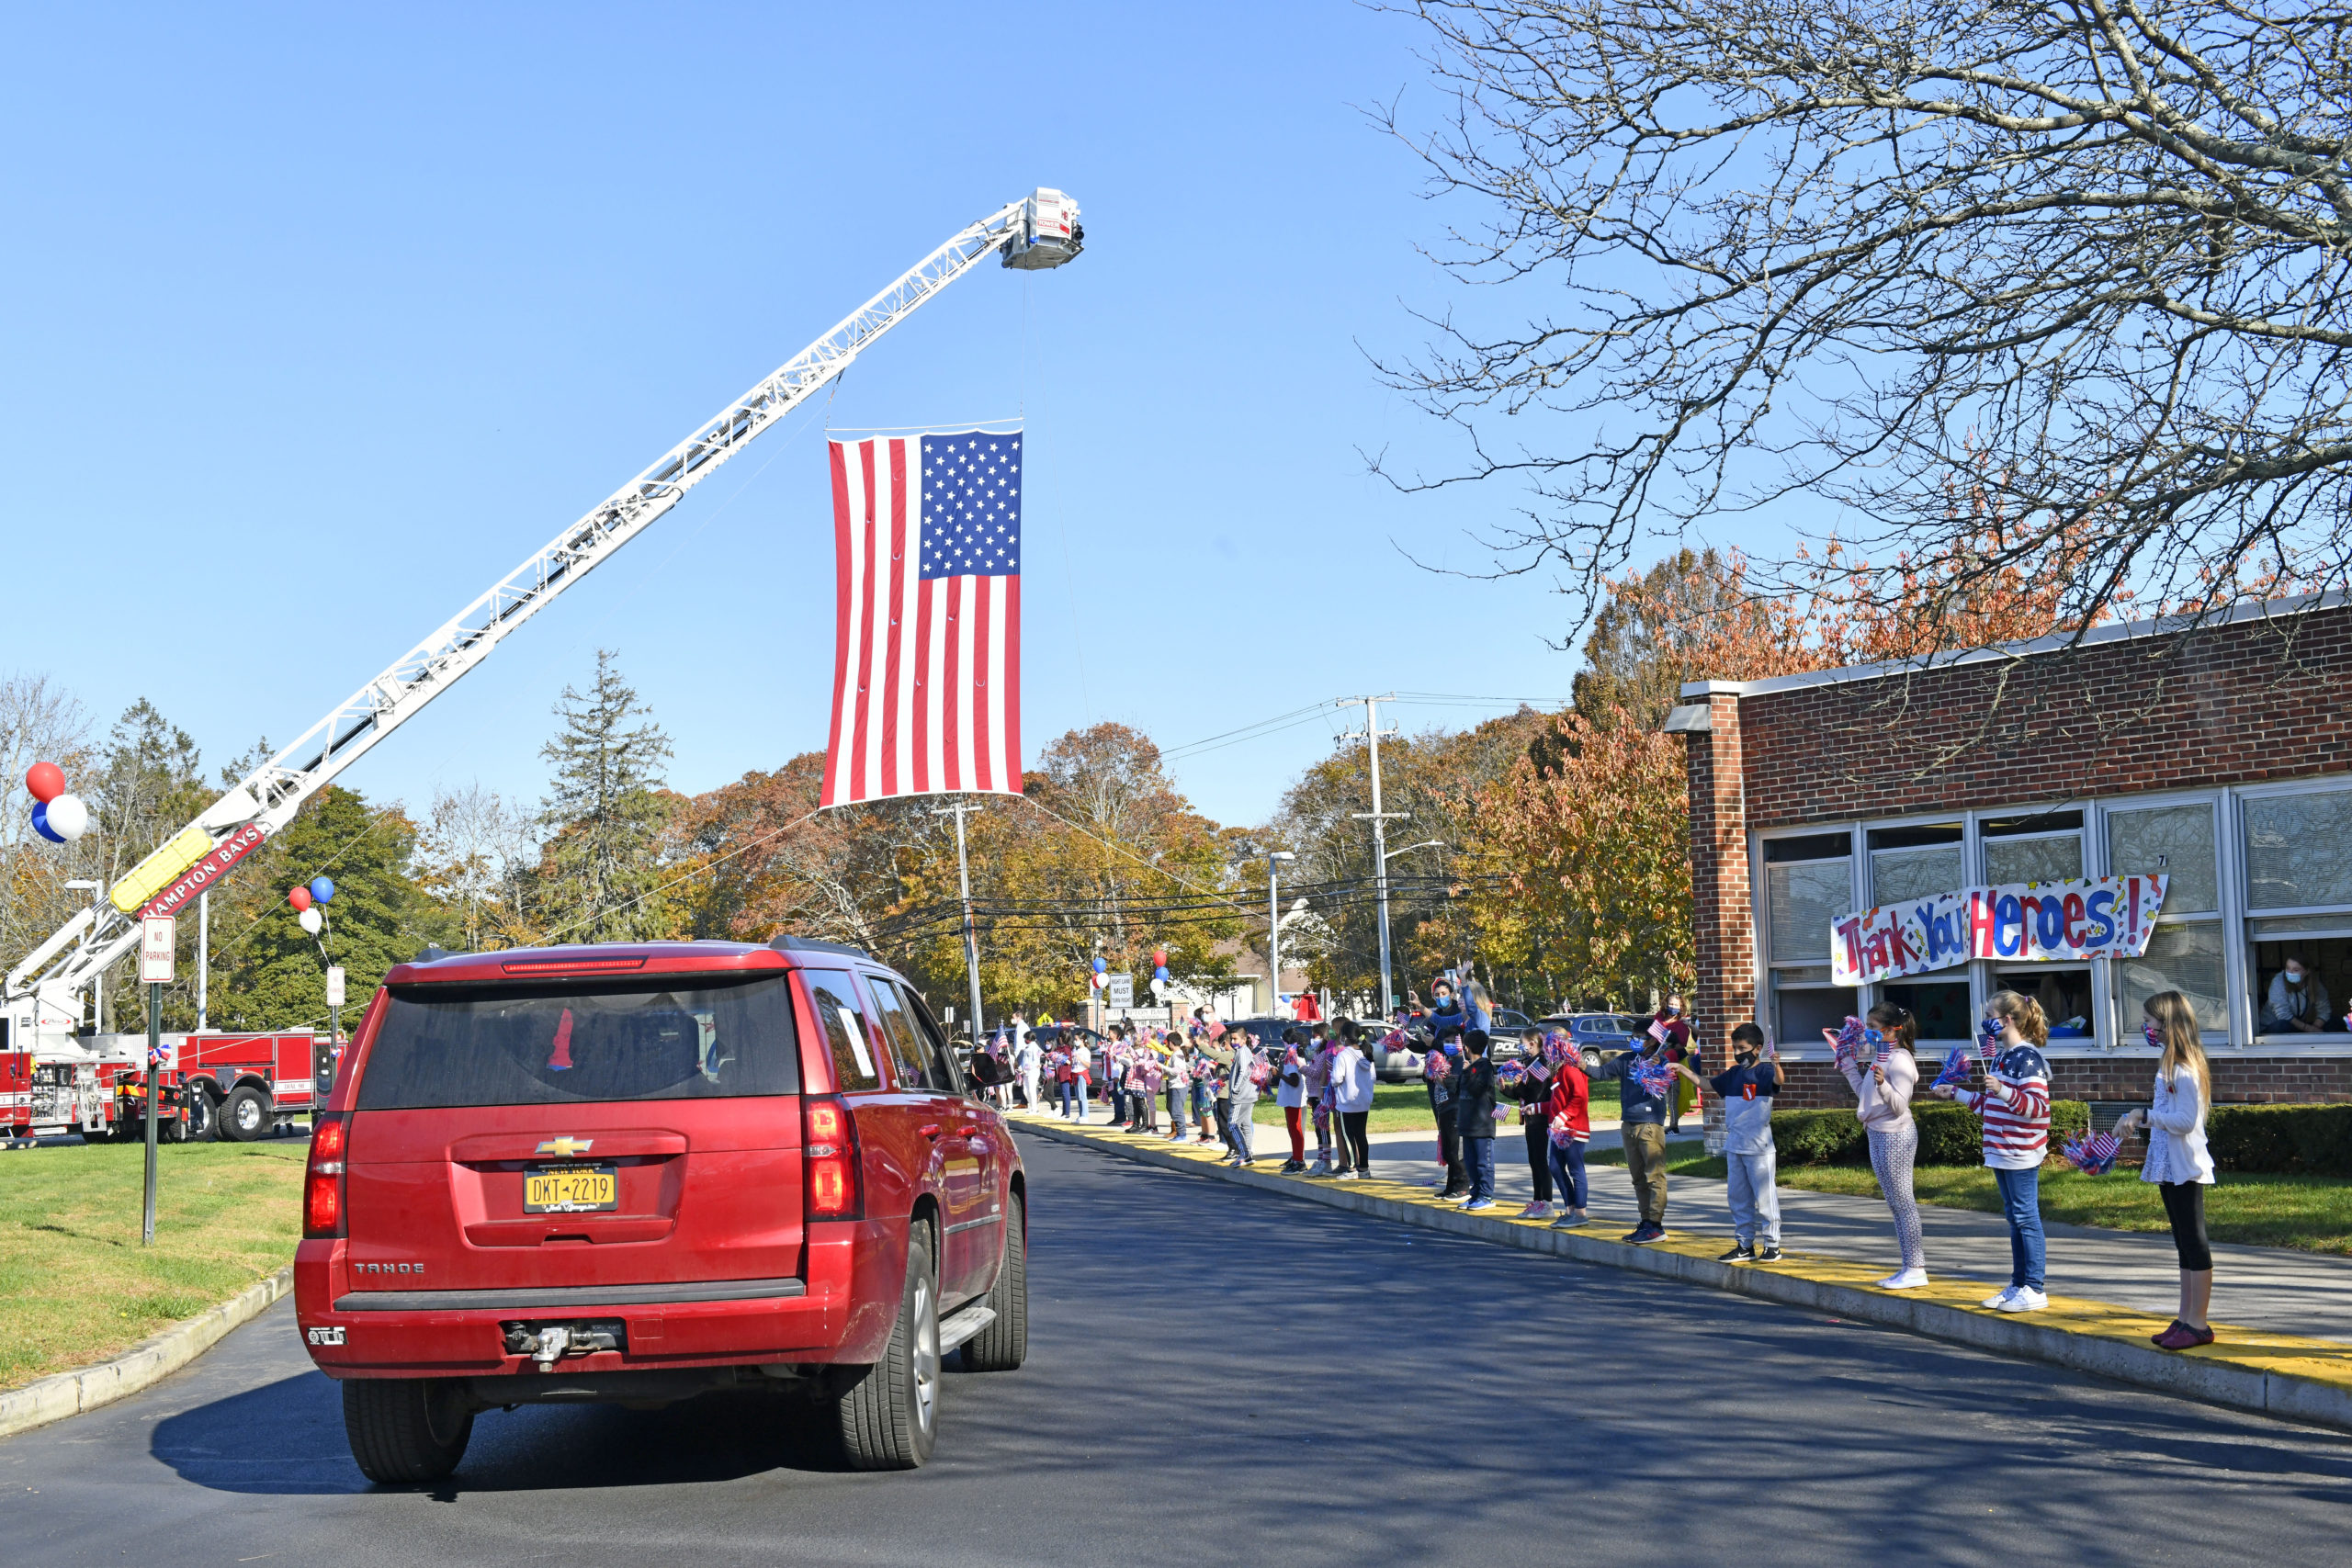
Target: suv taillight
(828, 1150)
(323, 1183)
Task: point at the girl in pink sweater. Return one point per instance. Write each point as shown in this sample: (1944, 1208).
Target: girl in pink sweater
(1884, 1092)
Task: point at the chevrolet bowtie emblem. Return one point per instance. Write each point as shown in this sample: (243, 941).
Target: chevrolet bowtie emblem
(566, 1148)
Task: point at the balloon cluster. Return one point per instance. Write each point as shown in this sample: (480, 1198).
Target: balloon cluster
(57, 816)
(1101, 979)
(306, 901)
(1160, 967)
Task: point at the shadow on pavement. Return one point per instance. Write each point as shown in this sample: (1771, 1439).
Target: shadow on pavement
(286, 1438)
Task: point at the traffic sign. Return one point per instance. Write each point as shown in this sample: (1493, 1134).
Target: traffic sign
(1122, 991)
(335, 984)
(157, 943)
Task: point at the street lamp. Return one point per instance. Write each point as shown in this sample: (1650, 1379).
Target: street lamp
(1387, 986)
(1274, 923)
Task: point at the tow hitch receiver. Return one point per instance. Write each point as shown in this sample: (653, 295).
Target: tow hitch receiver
(548, 1343)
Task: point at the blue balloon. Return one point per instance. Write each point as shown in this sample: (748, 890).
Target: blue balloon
(1160, 974)
(321, 889)
(41, 823)
(1099, 966)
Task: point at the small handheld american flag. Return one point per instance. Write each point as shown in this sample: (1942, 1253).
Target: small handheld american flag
(2093, 1154)
(1988, 1039)
(1655, 1078)
(1957, 1068)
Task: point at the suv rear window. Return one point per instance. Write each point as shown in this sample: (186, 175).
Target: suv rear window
(444, 1046)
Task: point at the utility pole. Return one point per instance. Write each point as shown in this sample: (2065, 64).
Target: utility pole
(1371, 734)
(971, 939)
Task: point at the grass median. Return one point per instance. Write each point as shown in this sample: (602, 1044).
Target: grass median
(2307, 1213)
(77, 1287)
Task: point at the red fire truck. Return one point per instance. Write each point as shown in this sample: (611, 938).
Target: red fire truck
(214, 1085)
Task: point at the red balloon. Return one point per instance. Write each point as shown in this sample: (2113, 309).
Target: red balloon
(46, 779)
(299, 897)
(1160, 958)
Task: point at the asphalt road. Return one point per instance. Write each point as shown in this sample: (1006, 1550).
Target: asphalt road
(1224, 1376)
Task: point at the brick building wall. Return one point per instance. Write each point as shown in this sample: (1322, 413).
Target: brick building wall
(2228, 705)
(1722, 916)
(2238, 1080)
(2255, 699)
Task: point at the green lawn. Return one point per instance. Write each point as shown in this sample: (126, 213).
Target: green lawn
(75, 1285)
(2309, 1213)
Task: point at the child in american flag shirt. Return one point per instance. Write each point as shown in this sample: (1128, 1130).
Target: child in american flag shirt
(2014, 1105)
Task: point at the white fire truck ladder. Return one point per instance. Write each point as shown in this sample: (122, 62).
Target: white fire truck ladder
(1039, 232)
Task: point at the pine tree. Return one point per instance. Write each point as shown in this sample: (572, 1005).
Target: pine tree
(604, 816)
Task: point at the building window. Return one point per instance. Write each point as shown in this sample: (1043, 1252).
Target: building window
(1805, 891)
(1802, 1011)
(1941, 1006)
(2063, 989)
(2299, 851)
(2043, 848)
(2286, 1011)
(2181, 956)
(2172, 840)
(1915, 863)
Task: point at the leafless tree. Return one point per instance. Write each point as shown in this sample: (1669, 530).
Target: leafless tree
(470, 849)
(2029, 287)
(39, 721)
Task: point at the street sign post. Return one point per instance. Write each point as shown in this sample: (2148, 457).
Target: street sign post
(1121, 991)
(335, 1033)
(157, 935)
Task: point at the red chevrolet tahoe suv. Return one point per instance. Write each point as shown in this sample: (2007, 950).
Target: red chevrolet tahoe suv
(640, 1172)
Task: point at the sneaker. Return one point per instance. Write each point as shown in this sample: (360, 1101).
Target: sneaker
(1293, 1167)
(1769, 1255)
(1536, 1211)
(1363, 1174)
(1907, 1279)
(1570, 1222)
(1476, 1204)
(1743, 1253)
(1345, 1176)
(2000, 1302)
(2025, 1297)
(1647, 1234)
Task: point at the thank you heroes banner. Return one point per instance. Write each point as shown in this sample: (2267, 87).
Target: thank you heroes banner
(2037, 922)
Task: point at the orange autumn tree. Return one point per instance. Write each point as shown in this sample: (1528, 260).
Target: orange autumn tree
(1582, 850)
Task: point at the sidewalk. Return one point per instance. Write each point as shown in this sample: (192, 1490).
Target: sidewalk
(2284, 1319)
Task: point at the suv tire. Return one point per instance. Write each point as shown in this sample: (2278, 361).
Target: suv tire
(245, 1115)
(890, 1416)
(1591, 1060)
(1004, 1345)
(404, 1430)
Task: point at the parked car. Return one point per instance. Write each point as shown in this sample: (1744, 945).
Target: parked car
(638, 1172)
(1601, 1037)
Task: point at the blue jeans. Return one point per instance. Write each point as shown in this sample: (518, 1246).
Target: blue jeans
(2022, 1201)
(1064, 1087)
(1478, 1154)
(1567, 1171)
(1080, 1084)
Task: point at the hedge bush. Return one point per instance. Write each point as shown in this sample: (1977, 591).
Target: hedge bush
(2288, 1140)
(1949, 1134)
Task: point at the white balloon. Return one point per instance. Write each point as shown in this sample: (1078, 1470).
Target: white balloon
(311, 920)
(69, 817)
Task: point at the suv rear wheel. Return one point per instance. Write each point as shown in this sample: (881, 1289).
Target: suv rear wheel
(890, 1419)
(1004, 1345)
(404, 1430)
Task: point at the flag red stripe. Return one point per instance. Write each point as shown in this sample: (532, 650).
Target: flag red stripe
(890, 715)
(951, 717)
(1009, 682)
(922, 686)
(981, 674)
(857, 790)
(841, 617)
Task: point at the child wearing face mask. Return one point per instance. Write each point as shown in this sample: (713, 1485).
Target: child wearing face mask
(2296, 1001)
(2015, 1106)
(1751, 1167)
(2179, 1162)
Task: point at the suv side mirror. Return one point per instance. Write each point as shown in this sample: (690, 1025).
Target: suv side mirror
(987, 1071)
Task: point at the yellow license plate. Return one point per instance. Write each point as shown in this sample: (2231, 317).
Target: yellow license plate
(571, 1189)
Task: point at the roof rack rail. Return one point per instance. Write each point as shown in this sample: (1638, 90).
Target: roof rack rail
(784, 941)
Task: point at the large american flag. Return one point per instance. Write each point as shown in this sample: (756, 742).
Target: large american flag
(927, 647)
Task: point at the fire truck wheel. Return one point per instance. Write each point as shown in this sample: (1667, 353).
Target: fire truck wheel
(203, 1117)
(405, 1430)
(245, 1115)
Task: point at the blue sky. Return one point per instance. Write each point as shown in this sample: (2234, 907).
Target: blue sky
(316, 322)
